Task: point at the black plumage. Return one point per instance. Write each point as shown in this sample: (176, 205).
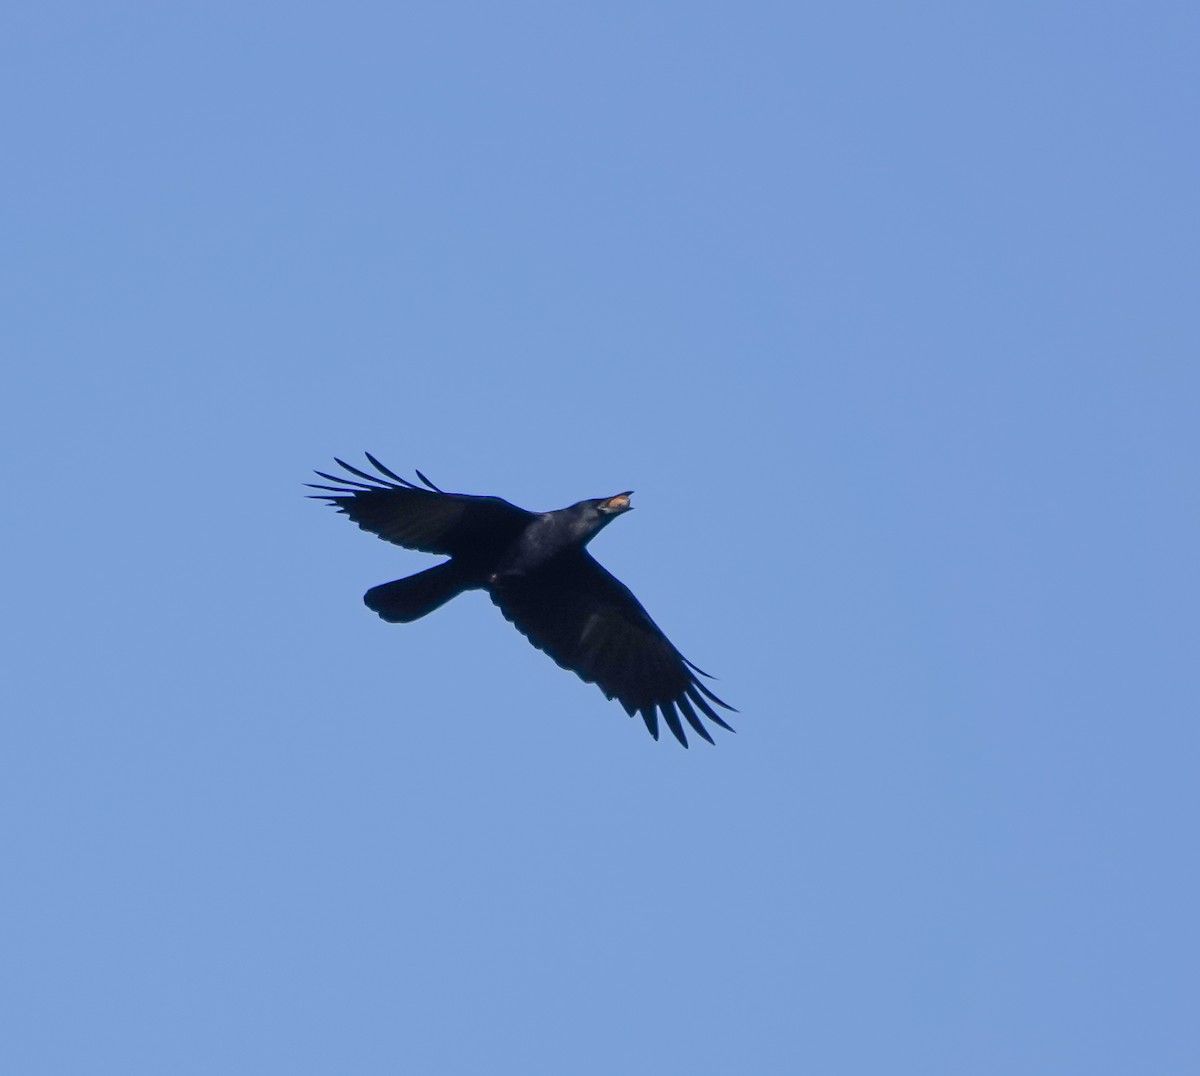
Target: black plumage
(536, 568)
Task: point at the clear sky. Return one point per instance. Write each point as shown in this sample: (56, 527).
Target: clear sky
(887, 313)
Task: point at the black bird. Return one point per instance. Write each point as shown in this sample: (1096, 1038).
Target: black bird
(536, 568)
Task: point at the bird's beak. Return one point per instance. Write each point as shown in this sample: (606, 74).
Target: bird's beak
(619, 503)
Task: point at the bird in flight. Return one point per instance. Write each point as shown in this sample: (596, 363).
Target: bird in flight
(536, 569)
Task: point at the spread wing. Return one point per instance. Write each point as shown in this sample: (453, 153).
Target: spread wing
(426, 519)
(588, 621)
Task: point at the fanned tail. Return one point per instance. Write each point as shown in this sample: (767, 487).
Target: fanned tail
(405, 600)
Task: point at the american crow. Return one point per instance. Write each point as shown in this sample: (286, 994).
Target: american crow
(536, 569)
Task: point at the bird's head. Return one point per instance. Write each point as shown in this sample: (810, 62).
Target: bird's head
(591, 517)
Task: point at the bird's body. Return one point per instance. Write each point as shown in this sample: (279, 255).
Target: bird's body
(537, 571)
(547, 535)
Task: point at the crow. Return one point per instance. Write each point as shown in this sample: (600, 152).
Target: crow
(536, 569)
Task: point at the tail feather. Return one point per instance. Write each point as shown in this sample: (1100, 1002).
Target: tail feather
(410, 599)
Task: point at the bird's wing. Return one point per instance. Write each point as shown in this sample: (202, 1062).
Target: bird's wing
(427, 519)
(588, 621)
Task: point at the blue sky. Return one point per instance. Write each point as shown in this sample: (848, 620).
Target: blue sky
(887, 313)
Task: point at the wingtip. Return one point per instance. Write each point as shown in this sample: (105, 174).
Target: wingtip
(429, 484)
(671, 716)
